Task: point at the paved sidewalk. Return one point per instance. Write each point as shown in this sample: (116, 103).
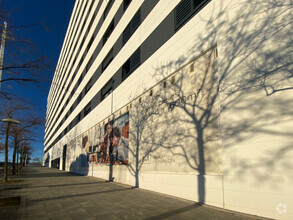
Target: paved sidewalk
(52, 194)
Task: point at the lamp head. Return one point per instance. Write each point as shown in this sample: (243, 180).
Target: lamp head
(10, 120)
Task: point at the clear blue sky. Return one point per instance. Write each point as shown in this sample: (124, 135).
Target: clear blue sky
(48, 39)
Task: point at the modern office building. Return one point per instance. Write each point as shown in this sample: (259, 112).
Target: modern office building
(191, 98)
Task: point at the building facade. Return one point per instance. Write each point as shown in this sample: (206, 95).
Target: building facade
(191, 98)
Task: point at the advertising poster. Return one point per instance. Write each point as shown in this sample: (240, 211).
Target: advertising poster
(108, 143)
(120, 139)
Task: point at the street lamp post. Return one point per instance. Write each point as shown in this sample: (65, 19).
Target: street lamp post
(8, 121)
(2, 50)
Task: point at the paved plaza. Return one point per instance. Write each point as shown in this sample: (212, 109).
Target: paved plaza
(47, 193)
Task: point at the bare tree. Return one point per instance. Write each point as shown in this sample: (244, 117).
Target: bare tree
(21, 133)
(22, 62)
(21, 111)
(26, 152)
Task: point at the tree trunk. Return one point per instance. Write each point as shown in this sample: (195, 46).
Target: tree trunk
(21, 159)
(14, 156)
(201, 167)
(6, 154)
(137, 162)
(17, 160)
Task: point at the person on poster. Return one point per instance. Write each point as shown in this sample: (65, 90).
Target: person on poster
(106, 147)
(99, 141)
(120, 145)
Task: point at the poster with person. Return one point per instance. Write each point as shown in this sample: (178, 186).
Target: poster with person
(120, 139)
(106, 143)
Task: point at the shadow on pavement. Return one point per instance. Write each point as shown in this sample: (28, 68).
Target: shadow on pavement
(46, 175)
(172, 213)
(35, 172)
(64, 185)
(79, 195)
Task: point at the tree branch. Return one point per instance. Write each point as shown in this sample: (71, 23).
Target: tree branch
(20, 79)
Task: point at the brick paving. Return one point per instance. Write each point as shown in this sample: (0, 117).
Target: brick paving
(48, 193)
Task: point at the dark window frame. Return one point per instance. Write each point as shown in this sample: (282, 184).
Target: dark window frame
(87, 109)
(131, 27)
(107, 60)
(126, 4)
(186, 9)
(108, 32)
(88, 86)
(131, 64)
(107, 89)
(107, 9)
(79, 98)
(77, 118)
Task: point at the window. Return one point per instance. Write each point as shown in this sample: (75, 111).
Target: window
(67, 101)
(79, 99)
(107, 9)
(80, 62)
(126, 3)
(80, 79)
(107, 60)
(89, 64)
(77, 119)
(71, 125)
(107, 89)
(131, 27)
(87, 109)
(73, 76)
(125, 69)
(91, 22)
(88, 86)
(62, 96)
(185, 9)
(65, 130)
(90, 43)
(108, 32)
(81, 44)
(131, 64)
(72, 92)
(74, 60)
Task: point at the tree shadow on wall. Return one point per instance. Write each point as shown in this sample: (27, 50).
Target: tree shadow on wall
(227, 96)
(76, 158)
(80, 165)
